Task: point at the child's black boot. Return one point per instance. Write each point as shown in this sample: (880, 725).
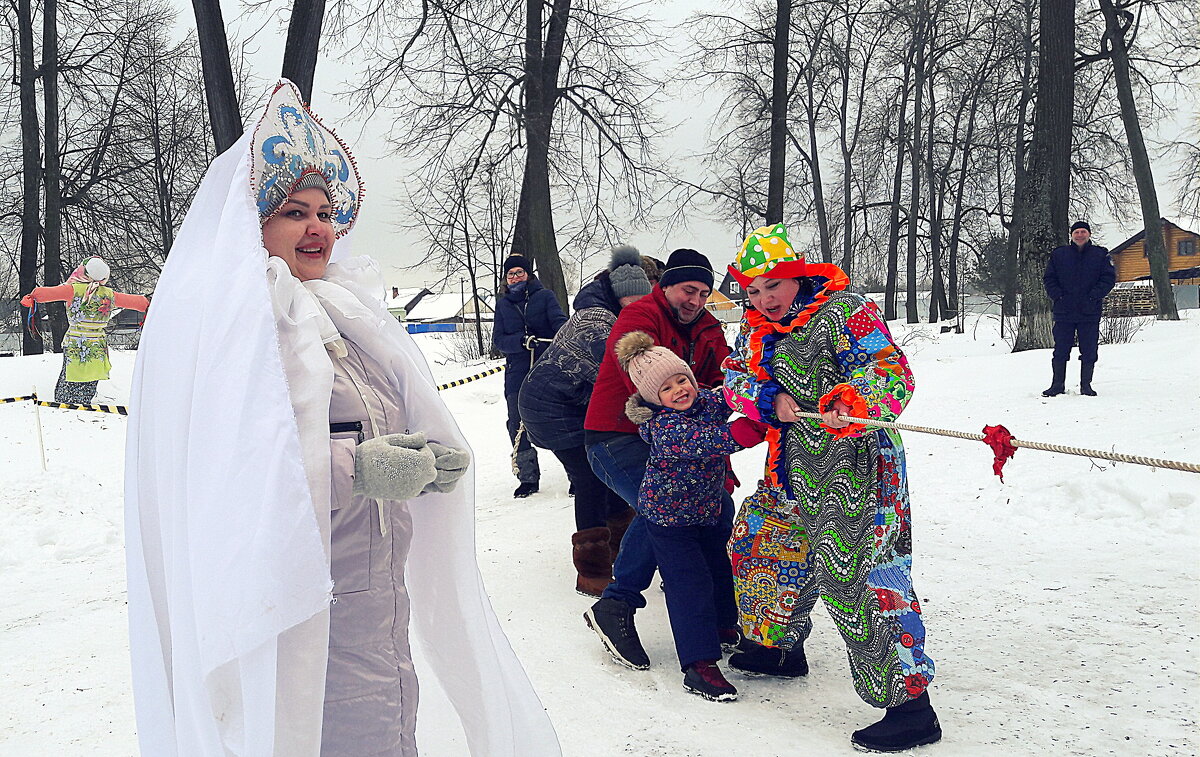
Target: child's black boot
(755, 659)
(705, 678)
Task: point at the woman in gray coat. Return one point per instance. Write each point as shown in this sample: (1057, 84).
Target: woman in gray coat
(289, 513)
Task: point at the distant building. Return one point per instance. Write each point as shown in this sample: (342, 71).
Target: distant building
(426, 306)
(725, 309)
(732, 291)
(1183, 255)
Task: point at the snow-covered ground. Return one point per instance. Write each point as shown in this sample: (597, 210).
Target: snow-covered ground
(1061, 605)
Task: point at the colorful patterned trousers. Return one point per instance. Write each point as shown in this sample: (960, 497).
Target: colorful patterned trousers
(846, 538)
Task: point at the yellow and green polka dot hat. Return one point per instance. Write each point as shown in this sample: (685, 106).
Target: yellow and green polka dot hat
(767, 252)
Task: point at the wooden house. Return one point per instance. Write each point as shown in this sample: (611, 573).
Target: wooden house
(1183, 255)
(725, 309)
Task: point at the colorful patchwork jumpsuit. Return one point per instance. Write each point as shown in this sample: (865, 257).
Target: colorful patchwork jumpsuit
(831, 516)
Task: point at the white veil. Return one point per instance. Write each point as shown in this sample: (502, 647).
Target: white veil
(227, 477)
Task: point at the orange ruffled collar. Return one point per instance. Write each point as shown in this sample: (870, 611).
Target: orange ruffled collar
(761, 326)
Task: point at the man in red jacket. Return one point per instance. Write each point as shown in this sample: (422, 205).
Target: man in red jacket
(674, 317)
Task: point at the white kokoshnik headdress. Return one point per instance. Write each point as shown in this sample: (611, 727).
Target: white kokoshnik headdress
(293, 150)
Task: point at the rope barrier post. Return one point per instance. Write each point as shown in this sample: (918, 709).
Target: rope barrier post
(37, 414)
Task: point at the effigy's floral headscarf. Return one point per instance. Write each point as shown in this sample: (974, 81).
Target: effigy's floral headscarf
(293, 150)
(93, 271)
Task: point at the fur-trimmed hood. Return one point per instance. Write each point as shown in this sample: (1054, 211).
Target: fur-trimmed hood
(637, 410)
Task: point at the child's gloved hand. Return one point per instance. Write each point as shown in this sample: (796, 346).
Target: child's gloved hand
(450, 463)
(748, 433)
(731, 479)
(396, 466)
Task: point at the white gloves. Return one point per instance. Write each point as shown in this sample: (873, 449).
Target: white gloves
(450, 463)
(401, 466)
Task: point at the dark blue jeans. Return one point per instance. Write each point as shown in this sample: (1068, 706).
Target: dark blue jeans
(620, 463)
(699, 583)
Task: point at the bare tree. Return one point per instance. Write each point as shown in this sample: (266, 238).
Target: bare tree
(1118, 22)
(779, 110)
(1187, 174)
(303, 42)
(219, 86)
(1043, 213)
(124, 144)
(52, 170)
(558, 99)
(31, 160)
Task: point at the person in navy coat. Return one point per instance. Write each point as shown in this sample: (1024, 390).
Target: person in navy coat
(527, 318)
(1077, 278)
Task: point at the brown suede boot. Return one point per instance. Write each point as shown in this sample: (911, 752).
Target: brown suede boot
(593, 560)
(617, 526)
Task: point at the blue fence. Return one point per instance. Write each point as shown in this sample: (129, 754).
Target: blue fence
(428, 328)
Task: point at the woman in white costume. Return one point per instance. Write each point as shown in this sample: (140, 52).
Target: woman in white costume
(295, 486)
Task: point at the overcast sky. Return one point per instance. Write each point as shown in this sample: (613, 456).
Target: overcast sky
(379, 231)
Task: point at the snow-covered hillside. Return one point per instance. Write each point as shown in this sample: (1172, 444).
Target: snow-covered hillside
(1060, 605)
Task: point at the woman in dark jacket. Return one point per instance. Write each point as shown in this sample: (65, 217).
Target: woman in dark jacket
(553, 403)
(527, 318)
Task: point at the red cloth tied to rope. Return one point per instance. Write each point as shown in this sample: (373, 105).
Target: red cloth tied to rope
(1000, 440)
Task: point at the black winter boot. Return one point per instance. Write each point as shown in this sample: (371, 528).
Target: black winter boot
(524, 490)
(755, 659)
(704, 678)
(612, 620)
(903, 727)
(1058, 384)
(1085, 379)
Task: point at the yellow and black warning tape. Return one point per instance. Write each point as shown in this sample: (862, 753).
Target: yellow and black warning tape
(469, 379)
(117, 409)
(122, 410)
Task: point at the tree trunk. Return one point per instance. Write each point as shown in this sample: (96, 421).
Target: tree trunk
(914, 190)
(1008, 303)
(847, 144)
(533, 232)
(814, 165)
(893, 251)
(52, 174)
(779, 110)
(219, 88)
(959, 190)
(1156, 249)
(303, 41)
(937, 290)
(31, 171)
(1048, 181)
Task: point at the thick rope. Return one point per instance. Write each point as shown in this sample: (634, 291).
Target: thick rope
(1119, 457)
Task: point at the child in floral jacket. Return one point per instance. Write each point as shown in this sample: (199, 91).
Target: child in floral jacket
(681, 497)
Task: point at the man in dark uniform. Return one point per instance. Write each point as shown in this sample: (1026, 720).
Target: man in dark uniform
(1077, 278)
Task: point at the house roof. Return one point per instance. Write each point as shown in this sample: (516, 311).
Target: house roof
(1142, 235)
(402, 296)
(436, 307)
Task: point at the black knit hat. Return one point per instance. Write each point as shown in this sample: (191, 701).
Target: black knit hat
(517, 261)
(1080, 225)
(687, 265)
